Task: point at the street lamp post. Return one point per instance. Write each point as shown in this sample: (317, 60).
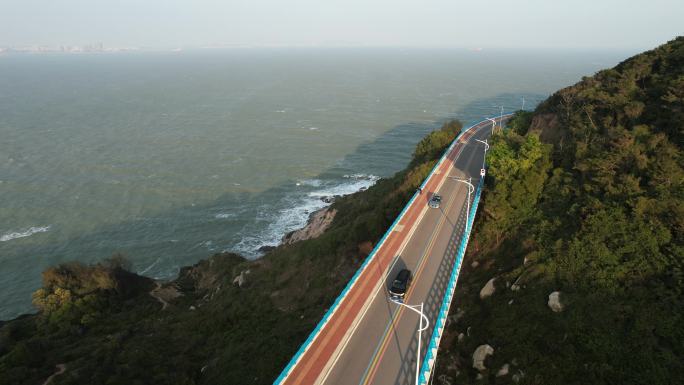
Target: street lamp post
(414, 308)
(493, 124)
(471, 189)
(421, 328)
(485, 152)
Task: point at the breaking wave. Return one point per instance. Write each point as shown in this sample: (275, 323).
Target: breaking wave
(273, 221)
(25, 233)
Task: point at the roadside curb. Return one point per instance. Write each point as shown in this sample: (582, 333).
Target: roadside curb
(328, 315)
(440, 322)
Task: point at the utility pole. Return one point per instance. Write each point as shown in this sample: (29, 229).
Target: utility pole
(523, 103)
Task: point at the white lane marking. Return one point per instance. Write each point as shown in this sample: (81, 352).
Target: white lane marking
(398, 312)
(291, 366)
(357, 321)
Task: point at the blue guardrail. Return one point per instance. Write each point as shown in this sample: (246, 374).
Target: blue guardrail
(440, 322)
(370, 257)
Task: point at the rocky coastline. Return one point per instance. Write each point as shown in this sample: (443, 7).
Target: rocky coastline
(318, 222)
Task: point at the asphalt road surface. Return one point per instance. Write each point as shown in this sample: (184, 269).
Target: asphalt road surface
(370, 339)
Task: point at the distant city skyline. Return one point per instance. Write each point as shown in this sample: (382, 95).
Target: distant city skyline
(169, 24)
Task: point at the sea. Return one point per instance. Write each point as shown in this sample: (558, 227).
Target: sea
(170, 157)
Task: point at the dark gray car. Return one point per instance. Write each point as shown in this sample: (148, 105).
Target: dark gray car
(435, 200)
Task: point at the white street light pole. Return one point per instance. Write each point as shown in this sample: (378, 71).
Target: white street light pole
(493, 124)
(421, 328)
(471, 189)
(485, 143)
(485, 152)
(501, 117)
(523, 104)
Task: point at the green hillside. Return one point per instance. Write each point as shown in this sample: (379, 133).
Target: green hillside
(585, 196)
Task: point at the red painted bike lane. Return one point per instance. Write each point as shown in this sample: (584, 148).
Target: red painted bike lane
(320, 351)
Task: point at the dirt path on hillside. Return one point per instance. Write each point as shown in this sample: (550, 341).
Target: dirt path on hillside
(60, 369)
(155, 294)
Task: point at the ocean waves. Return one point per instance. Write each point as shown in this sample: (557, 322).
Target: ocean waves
(23, 233)
(274, 220)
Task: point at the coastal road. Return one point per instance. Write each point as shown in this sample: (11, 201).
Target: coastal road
(369, 339)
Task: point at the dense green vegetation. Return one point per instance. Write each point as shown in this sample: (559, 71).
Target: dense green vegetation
(102, 324)
(585, 196)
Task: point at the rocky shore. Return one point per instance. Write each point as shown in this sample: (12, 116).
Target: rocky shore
(318, 222)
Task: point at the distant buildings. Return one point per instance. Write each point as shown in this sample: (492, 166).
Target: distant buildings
(88, 48)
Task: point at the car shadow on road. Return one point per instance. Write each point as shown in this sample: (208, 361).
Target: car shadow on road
(432, 303)
(392, 308)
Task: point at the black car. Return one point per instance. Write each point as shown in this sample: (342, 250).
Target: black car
(400, 284)
(435, 200)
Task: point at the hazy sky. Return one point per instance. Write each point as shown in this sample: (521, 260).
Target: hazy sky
(621, 24)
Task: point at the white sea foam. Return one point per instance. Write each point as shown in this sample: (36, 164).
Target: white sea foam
(359, 181)
(209, 245)
(279, 223)
(225, 215)
(23, 233)
(295, 212)
(361, 176)
(145, 270)
(310, 182)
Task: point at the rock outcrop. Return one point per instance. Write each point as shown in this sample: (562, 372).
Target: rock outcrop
(266, 249)
(328, 199)
(207, 275)
(241, 279)
(555, 303)
(488, 289)
(548, 127)
(518, 376)
(319, 221)
(165, 294)
(480, 355)
(503, 371)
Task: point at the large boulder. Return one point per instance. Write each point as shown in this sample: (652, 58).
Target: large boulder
(480, 355)
(554, 302)
(488, 289)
